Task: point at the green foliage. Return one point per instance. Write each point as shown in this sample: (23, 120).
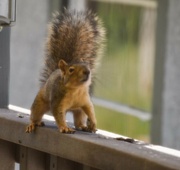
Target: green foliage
(118, 76)
(118, 81)
(121, 23)
(122, 124)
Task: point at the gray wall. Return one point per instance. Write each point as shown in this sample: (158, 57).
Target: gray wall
(27, 41)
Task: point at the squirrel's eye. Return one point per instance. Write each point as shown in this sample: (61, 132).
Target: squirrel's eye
(71, 69)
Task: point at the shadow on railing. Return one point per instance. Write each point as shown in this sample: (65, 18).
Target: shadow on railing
(47, 149)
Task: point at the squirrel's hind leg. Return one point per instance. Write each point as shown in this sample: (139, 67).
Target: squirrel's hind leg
(80, 119)
(91, 123)
(38, 108)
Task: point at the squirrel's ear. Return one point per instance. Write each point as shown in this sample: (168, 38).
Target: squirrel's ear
(62, 65)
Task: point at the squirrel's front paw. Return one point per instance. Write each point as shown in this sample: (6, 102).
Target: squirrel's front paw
(91, 126)
(65, 129)
(31, 127)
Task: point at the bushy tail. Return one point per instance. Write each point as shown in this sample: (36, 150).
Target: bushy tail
(73, 36)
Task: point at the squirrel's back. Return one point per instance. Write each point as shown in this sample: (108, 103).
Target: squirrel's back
(73, 37)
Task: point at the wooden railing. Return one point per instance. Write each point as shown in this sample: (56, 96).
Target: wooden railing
(47, 149)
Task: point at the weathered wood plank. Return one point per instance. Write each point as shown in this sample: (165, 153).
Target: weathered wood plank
(58, 163)
(88, 149)
(89, 168)
(7, 155)
(32, 159)
(53, 162)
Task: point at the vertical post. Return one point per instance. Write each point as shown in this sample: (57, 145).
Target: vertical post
(166, 101)
(32, 159)
(7, 155)
(58, 163)
(4, 66)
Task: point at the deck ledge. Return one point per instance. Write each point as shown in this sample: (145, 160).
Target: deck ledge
(100, 150)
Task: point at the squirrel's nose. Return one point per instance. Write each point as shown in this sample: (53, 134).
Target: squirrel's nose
(86, 72)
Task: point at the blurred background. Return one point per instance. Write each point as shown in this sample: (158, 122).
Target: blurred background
(124, 82)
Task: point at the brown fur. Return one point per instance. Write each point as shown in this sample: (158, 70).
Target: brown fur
(73, 36)
(73, 48)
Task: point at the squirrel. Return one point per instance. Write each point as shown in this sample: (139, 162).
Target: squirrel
(75, 43)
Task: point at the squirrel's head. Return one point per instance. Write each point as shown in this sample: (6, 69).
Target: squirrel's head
(75, 74)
